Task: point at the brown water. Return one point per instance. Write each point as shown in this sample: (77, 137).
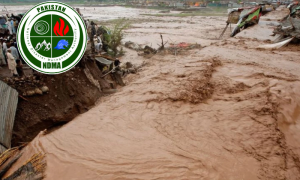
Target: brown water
(227, 111)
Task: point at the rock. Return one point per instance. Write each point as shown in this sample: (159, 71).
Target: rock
(30, 92)
(38, 91)
(128, 65)
(45, 89)
(149, 50)
(44, 132)
(128, 44)
(109, 91)
(132, 45)
(132, 70)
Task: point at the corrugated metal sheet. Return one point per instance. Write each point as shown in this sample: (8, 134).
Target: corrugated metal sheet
(103, 60)
(8, 106)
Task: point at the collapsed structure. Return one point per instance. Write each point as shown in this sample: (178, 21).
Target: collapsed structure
(290, 25)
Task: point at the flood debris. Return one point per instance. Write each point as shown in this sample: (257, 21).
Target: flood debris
(290, 27)
(181, 47)
(276, 45)
(149, 50)
(132, 45)
(162, 45)
(294, 10)
(165, 47)
(129, 68)
(33, 168)
(247, 17)
(9, 157)
(288, 30)
(119, 70)
(173, 48)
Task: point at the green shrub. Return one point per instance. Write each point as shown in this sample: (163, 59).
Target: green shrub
(114, 36)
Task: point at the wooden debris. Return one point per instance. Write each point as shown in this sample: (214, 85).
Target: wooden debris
(32, 169)
(162, 46)
(38, 163)
(8, 165)
(7, 154)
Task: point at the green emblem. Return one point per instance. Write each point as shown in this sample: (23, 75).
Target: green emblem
(52, 37)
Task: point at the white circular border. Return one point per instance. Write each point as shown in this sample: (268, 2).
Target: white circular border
(72, 15)
(31, 48)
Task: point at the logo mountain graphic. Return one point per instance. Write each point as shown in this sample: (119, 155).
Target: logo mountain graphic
(44, 43)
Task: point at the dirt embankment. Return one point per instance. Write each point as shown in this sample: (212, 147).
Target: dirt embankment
(70, 94)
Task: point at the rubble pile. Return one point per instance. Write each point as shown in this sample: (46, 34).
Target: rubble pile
(173, 48)
(29, 85)
(290, 25)
(149, 50)
(129, 68)
(132, 45)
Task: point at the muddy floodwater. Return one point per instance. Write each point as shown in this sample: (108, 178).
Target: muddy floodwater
(227, 110)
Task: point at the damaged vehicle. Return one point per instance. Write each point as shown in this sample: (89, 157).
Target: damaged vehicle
(247, 18)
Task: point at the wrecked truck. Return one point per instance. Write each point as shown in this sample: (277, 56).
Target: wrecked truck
(247, 18)
(244, 17)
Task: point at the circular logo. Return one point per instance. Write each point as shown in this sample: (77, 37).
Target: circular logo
(52, 37)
